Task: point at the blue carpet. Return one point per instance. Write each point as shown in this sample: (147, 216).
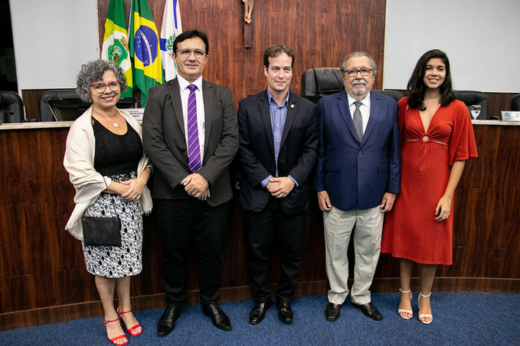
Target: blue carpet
(459, 319)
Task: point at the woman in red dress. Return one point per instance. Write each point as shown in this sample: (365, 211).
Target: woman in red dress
(436, 139)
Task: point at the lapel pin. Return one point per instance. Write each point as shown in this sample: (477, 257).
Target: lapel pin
(292, 106)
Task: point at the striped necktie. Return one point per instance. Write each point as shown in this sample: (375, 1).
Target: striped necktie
(193, 131)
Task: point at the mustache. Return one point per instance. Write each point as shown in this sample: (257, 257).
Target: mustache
(356, 82)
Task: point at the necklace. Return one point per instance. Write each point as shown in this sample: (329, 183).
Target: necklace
(114, 123)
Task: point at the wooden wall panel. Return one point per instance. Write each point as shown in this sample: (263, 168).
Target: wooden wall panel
(320, 35)
(31, 102)
(499, 102)
(42, 270)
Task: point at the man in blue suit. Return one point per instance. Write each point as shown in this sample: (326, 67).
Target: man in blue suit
(357, 178)
(278, 151)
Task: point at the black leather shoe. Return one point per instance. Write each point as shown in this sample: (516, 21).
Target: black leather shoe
(257, 314)
(168, 318)
(285, 313)
(369, 310)
(332, 312)
(218, 317)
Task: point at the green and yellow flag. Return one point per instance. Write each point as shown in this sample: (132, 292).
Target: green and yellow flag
(144, 48)
(115, 42)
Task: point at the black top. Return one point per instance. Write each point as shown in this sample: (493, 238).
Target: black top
(116, 154)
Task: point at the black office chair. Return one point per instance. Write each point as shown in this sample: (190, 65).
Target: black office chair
(396, 95)
(11, 107)
(515, 103)
(471, 98)
(66, 105)
(65, 101)
(321, 81)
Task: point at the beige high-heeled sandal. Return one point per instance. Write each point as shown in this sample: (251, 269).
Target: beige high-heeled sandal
(424, 315)
(405, 310)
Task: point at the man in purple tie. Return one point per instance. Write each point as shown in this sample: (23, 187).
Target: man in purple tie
(190, 134)
(278, 150)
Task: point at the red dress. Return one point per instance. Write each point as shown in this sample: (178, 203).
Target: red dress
(410, 230)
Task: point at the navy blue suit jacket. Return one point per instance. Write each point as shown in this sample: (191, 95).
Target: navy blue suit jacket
(358, 174)
(297, 156)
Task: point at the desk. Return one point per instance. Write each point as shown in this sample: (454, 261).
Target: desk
(42, 270)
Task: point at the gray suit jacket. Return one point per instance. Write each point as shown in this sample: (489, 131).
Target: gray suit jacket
(165, 144)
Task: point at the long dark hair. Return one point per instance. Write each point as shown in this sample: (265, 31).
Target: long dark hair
(416, 86)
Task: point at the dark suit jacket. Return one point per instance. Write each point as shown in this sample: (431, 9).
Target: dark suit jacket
(358, 174)
(297, 156)
(164, 141)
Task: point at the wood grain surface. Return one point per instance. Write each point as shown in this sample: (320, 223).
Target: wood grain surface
(42, 270)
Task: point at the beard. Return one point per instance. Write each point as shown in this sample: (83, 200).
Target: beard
(359, 87)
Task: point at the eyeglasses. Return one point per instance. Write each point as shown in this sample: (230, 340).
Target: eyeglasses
(365, 72)
(185, 53)
(101, 87)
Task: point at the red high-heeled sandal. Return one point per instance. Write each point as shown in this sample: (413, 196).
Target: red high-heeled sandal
(113, 340)
(131, 330)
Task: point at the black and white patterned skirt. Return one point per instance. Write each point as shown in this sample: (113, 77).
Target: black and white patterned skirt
(113, 261)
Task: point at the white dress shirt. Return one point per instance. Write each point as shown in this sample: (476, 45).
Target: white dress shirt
(201, 120)
(364, 108)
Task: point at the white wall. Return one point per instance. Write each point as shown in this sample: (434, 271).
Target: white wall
(480, 37)
(52, 39)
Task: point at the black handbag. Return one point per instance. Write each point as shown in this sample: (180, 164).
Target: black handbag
(102, 231)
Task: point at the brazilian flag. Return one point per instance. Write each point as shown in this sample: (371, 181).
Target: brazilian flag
(145, 48)
(115, 42)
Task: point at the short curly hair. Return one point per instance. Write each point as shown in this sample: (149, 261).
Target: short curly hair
(93, 71)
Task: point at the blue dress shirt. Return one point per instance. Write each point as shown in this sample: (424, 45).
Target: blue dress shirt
(278, 116)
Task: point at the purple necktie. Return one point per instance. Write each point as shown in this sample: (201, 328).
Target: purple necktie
(193, 131)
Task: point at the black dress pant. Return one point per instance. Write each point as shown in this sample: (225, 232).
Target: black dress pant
(181, 223)
(260, 230)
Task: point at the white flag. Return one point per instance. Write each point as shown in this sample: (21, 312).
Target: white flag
(171, 28)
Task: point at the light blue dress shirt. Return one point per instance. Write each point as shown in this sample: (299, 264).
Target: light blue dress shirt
(278, 116)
